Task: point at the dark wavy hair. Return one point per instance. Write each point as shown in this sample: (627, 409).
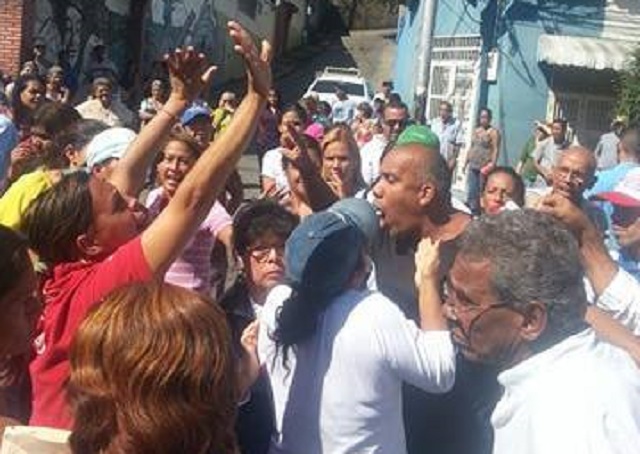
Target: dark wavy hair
(21, 116)
(259, 218)
(169, 388)
(56, 218)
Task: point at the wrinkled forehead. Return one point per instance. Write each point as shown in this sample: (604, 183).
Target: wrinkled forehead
(578, 160)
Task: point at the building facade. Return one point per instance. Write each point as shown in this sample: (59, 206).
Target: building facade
(71, 29)
(527, 60)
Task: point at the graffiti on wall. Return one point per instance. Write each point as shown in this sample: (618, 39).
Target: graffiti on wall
(71, 29)
(175, 23)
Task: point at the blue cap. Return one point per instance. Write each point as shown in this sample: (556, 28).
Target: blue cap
(194, 112)
(322, 253)
(360, 213)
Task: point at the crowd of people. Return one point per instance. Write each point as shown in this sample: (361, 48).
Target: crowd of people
(357, 306)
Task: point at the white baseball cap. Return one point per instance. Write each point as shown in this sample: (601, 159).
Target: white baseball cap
(109, 144)
(626, 193)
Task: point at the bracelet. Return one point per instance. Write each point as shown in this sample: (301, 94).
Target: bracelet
(172, 116)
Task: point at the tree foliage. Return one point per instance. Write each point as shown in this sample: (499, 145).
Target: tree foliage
(629, 90)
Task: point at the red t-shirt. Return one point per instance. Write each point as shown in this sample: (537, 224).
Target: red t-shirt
(69, 293)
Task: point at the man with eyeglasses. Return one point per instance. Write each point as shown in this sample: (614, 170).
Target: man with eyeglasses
(572, 175)
(516, 300)
(395, 120)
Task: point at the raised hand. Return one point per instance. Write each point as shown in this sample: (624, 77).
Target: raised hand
(189, 74)
(427, 260)
(297, 153)
(258, 63)
(566, 212)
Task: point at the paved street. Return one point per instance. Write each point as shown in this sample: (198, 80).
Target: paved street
(371, 50)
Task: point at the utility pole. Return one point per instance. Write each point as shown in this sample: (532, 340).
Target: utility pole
(425, 46)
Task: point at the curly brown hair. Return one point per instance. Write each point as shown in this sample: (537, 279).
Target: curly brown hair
(152, 372)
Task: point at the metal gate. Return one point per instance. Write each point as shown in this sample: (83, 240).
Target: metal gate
(455, 68)
(589, 116)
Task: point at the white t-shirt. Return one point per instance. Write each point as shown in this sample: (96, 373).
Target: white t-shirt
(581, 396)
(272, 168)
(370, 156)
(341, 391)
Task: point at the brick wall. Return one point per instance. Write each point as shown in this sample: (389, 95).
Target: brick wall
(16, 25)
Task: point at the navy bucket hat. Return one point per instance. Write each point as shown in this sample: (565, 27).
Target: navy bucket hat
(322, 253)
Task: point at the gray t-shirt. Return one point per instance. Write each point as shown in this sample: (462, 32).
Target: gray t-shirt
(547, 152)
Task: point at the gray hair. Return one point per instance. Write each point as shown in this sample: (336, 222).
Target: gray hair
(533, 258)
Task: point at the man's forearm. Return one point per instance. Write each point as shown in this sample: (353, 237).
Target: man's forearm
(430, 306)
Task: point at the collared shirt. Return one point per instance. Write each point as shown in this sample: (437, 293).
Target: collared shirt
(581, 395)
(450, 134)
(341, 389)
(116, 114)
(607, 150)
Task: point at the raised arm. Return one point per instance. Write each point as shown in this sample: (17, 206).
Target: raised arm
(188, 74)
(165, 238)
(599, 267)
(427, 282)
(320, 194)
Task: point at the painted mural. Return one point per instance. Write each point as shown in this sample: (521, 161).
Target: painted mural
(202, 24)
(71, 29)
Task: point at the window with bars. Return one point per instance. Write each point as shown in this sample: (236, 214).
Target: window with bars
(588, 115)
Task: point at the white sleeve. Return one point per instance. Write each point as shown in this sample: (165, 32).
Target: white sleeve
(270, 163)
(425, 359)
(621, 299)
(268, 322)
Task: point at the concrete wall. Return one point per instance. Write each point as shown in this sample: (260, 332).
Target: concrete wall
(521, 92)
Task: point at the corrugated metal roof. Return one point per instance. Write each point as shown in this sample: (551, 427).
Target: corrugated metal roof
(581, 52)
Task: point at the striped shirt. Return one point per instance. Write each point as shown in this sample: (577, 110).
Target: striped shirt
(193, 268)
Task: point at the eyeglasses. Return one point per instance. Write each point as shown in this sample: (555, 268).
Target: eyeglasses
(576, 177)
(396, 123)
(262, 254)
(455, 310)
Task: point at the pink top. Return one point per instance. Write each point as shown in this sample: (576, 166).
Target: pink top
(193, 268)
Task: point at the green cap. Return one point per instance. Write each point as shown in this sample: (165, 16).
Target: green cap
(418, 134)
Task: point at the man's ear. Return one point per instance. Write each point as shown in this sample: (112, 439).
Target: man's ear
(534, 321)
(87, 246)
(427, 193)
